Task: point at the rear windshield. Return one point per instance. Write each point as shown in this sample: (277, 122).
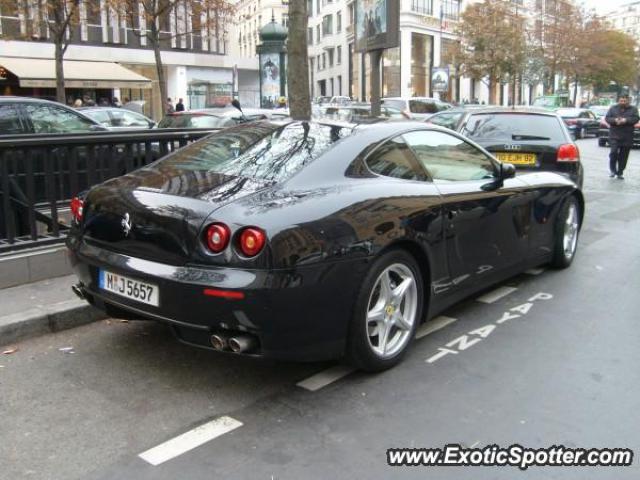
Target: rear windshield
(265, 151)
(191, 121)
(426, 106)
(514, 126)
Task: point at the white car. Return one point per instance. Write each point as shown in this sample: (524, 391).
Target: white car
(417, 108)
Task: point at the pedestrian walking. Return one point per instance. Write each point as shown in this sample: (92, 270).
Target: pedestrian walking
(621, 119)
(169, 107)
(179, 106)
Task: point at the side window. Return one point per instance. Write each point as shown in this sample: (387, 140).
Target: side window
(584, 115)
(395, 159)
(448, 158)
(124, 118)
(9, 120)
(51, 119)
(448, 120)
(102, 117)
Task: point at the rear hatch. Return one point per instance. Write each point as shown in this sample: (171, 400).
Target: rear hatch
(530, 141)
(149, 215)
(158, 212)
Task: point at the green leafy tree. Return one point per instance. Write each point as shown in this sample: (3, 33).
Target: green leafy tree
(492, 43)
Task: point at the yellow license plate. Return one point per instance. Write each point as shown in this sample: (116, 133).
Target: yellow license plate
(517, 158)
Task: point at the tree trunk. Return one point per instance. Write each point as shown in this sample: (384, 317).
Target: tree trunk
(575, 92)
(298, 62)
(492, 90)
(375, 56)
(162, 82)
(59, 54)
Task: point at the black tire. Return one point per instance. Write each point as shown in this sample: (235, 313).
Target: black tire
(359, 350)
(581, 133)
(562, 258)
(602, 142)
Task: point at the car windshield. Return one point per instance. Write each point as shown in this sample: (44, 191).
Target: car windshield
(265, 151)
(191, 121)
(507, 126)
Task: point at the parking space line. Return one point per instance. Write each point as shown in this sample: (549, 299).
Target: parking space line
(324, 378)
(189, 440)
(433, 325)
(496, 294)
(534, 271)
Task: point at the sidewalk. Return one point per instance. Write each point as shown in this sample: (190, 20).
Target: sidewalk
(42, 307)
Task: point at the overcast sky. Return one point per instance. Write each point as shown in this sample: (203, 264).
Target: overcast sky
(603, 6)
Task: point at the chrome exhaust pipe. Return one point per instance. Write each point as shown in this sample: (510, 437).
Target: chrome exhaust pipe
(219, 341)
(242, 343)
(79, 291)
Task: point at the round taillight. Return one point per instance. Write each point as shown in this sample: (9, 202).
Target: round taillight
(77, 207)
(251, 241)
(568, 153)
(218, 235)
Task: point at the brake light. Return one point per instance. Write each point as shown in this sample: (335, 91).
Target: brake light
(568, 153)
(571, 121)
(77, 207)
(251, 242)
(218, 235)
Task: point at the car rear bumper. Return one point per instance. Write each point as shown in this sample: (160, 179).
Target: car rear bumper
(298, 314)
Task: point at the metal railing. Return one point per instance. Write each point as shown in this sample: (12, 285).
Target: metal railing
(39, 174)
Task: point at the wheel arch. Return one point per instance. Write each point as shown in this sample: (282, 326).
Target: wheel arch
(424, 264)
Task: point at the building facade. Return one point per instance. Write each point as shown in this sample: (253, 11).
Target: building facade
(201, 63)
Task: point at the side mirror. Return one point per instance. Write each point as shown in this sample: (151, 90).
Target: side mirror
(152, 124)
(236, 104)
(507, 170)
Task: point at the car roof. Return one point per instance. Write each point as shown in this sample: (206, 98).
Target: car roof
(13, 98)
(518, 109)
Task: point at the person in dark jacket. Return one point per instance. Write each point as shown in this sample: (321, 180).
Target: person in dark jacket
(180, 106)
(621, 119)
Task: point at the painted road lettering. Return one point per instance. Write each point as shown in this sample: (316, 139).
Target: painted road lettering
(463, 342)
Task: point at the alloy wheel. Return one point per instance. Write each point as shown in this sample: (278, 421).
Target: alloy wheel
(392, 310)
(571, 227)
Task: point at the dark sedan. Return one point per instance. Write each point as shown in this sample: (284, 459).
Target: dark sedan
(579, 121)
(531, 139)
(308, 241)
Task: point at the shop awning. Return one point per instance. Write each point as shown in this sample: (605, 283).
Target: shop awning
(38, 72)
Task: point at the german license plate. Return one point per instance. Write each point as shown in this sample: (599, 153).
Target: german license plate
(129, 288)
(517, 158)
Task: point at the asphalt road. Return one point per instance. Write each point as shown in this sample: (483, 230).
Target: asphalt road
(86, 403)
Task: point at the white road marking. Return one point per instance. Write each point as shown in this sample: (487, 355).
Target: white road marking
(433, 325)
(189, 440)
(324, 378)
(496, 294)
(534, 271)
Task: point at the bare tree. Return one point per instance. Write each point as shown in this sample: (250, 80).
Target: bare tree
(160, 21)
(298, 61)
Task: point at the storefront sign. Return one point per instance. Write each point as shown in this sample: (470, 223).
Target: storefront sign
(46, 83)
(440, 79)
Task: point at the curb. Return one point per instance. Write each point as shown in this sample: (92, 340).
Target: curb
(47, 319)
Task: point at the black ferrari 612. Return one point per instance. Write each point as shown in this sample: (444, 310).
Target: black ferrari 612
(309, 241)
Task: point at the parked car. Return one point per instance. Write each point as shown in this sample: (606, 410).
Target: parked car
(579, 121)
(218, 117)
(357, 112)
(530, 138)
(600, 110)
(340, 100)
(118, 119)
(367, 230)
(416, 108)
(603, 134)
(22, 116)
